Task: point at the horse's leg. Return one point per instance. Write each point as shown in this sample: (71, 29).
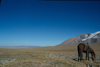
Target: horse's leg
(81, 56)
(78, 57)
(88, 56)
(78, 54)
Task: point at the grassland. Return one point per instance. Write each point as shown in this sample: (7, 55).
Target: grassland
(56, 56)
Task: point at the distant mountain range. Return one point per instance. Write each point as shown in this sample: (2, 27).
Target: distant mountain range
(19, 46)
(84, 38)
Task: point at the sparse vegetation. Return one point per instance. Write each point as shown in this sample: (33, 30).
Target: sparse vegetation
(57, 56)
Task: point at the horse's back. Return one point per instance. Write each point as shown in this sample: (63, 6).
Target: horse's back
(81, 46)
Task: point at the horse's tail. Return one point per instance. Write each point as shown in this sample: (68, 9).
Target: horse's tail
(80, 50)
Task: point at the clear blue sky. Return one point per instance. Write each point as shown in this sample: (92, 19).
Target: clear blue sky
(46, 23)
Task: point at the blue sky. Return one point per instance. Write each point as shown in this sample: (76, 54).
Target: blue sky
(46, 23)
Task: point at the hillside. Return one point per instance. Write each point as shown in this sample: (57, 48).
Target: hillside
(83, 38)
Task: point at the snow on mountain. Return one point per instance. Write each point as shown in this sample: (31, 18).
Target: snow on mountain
(92, 35)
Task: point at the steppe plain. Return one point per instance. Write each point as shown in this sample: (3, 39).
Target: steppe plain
(51, 56)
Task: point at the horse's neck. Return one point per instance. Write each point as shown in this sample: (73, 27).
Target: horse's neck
(93, 53)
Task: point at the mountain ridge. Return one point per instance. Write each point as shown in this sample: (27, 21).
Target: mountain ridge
(83, 38)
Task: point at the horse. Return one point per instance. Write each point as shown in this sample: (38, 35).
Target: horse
(83, 48)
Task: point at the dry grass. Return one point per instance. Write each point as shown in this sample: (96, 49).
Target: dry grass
(36, 57)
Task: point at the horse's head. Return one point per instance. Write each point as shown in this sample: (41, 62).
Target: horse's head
(93, 54)
(94, 57)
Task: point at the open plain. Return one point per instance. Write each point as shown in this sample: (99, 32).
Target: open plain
(52, 56)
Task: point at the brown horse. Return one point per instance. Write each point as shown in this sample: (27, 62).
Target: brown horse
(83, 48)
